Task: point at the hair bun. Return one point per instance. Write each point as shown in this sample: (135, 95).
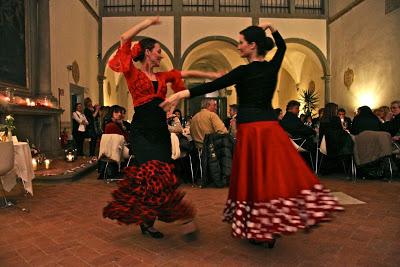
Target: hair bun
(268, 43)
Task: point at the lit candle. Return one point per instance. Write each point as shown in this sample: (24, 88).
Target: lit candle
(33, 103)
(28, 102)
(70, 157)
(47, 164)
(34, 164)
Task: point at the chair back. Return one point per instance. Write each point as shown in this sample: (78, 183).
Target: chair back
(322, 146)
(176, 151)
(6, 157)
(372, 145)
(112, 147)
(299, 148)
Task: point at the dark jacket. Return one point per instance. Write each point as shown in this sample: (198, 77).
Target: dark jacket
(348, 122)
(365, 123)
(393, 126)
(295, 127)
(338, 141)
(217, 159)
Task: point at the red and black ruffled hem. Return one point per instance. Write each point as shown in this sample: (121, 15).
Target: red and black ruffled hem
(263, 221)
(147, 193)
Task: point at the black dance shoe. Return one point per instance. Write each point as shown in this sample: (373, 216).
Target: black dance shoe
(153, 232)
(265, 244)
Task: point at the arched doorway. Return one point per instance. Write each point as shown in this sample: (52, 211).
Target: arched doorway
(304, 66)
(213, 53)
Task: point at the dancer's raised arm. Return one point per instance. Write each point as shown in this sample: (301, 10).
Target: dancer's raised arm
(127, 36)
(280, 44)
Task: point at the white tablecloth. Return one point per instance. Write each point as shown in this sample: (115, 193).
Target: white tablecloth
(22, 168)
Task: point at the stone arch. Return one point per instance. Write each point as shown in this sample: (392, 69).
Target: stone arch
(322, 59)
(202, 41)
(303, 48)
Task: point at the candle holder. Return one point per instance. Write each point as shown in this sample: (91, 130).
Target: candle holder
(34, 164)
(70, 154)
(47, 164)
(9, 92)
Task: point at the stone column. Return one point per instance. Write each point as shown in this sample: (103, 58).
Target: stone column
(327, 79)
(255, 10)
(44, 62)
(177, 9)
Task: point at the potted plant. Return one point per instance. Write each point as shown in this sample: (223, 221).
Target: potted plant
(309, 99)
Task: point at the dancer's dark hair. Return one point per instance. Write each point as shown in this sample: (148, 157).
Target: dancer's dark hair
(146, 43)
(257, 35)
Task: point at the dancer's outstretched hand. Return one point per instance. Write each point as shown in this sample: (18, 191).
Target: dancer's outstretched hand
(154, 20)
(266, 25)
(218, 74)
(172, 101)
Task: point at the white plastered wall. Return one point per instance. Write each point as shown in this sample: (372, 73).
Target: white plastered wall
(73, 36)
(367, 41)
(113, 27)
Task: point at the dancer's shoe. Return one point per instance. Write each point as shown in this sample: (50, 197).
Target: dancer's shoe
(266, 244)
(190, 230)
(154, 233)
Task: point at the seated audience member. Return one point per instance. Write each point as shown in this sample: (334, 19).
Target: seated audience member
(232, 115)
(292, 124)
(126, 124)
(279, 113)
(302, 118)
(392, 124)
(315, 121)
(378, 112)
(346, 121)
(206, 121)
(387, 114)
(365, 120)
(115, 126)
(174, 123)
(338, 141)
(308, 121)
(178, 114)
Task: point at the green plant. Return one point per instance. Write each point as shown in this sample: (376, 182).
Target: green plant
(9, 123)
(309, 100)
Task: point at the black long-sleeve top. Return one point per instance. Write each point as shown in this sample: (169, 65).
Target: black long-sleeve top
(295, 127)
(255, 85)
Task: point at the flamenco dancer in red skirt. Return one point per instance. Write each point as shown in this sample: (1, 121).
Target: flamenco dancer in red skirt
(272, 190)
(149, 191)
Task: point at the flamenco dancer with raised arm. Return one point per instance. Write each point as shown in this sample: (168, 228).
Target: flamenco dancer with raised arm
(149, 190)
(272, 190)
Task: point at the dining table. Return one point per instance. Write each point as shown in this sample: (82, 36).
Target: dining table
(23, 169)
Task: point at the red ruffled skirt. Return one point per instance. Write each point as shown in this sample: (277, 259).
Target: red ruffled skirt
(272, 190)
(147, 193)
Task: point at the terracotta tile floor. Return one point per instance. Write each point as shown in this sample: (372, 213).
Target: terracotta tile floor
(65, 228)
